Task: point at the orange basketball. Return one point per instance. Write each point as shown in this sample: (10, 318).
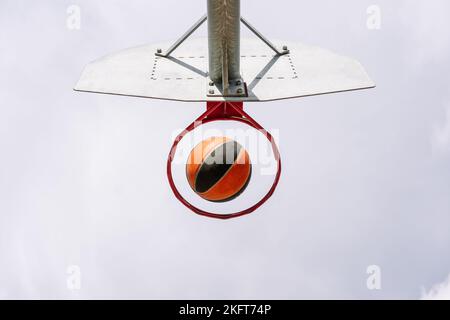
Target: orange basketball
(218, 169)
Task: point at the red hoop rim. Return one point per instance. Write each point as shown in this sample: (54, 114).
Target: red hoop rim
(208, 117)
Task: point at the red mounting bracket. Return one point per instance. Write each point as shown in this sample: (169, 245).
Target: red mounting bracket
(224, 111)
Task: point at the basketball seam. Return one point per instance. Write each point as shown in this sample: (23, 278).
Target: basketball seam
(204, 158)
(200, 167)
(237, 194)
(226, 172)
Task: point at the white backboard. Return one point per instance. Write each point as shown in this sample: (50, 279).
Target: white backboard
(306, 71)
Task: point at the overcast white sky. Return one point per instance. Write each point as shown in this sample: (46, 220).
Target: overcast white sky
(366, 174)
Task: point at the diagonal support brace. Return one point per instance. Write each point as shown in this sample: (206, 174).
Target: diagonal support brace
(264, 39)
(183, 38)
(202, 20)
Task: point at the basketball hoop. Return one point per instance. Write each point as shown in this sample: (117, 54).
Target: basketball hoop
(224, 111)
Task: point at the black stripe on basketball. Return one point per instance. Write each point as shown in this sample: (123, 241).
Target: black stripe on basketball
(239, 192)
(216, 165)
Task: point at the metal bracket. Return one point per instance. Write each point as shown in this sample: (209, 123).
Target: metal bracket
(235, 88)
(264, 39)
(183, 38)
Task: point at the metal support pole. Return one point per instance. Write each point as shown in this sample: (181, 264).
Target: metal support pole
(224, 39)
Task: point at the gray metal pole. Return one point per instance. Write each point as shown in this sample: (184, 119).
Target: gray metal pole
(224, 33)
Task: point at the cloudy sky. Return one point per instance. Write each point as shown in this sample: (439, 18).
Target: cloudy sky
(83, 191)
